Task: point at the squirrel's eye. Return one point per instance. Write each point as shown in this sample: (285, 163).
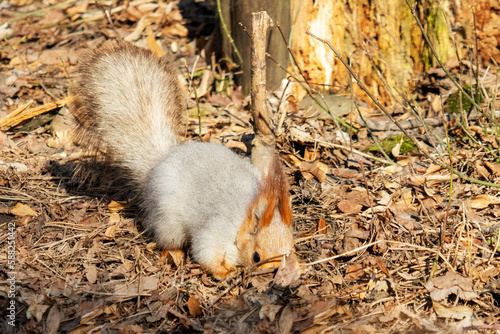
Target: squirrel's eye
(256, 257)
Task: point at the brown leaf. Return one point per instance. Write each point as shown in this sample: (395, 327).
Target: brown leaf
(110, 231)
(347, 206)
(91, 273)
(402, 314)
(194, 307)
(286, 320)
(36, 309)
(458, 312)
(495, 168)
(236, 144)
(354, 273)
(321, 226)
(51, 17)
(355, 232)
(150, 247)
(315, 168)
(53, 56)
(483, 201)
(114, 219)
(22, 210)
(482, 171)
(383, 267)
(23, 221)
(81, 329)
(289, 271)
(75, 9)
(115, 206)
(152, 44)
(175, 256)
(346, 173)
(268, 310)
(350, 244)
(159, 314)
(395, 150)
(323, 310)
(432, 169)
(488, 274)
(451, 283)
(53, 320)
(127, 329)
(175, 29)
(144, 287)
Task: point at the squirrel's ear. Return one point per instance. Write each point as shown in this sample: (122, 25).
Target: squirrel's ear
(275, 191)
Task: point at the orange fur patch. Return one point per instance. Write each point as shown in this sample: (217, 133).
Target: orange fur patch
(274, 191)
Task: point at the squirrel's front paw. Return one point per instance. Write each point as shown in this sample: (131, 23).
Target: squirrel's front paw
(220, 268)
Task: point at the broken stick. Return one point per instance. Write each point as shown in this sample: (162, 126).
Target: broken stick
(263, 149)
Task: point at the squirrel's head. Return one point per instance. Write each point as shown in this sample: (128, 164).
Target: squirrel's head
(266, 234)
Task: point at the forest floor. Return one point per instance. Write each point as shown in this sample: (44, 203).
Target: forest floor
(388, 244)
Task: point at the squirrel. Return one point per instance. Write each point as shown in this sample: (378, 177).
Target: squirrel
(128, 104)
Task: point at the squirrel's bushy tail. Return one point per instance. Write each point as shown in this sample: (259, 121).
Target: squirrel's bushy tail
(128, 105)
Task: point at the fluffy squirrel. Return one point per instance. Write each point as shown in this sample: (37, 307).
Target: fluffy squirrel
(128, 105)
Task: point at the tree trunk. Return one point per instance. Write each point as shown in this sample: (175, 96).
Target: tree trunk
(377, 36)
(236, 12)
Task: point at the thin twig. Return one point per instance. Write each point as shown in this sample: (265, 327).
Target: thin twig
(228, 34)
(348, 253)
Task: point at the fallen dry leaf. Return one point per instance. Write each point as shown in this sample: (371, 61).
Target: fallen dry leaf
(451, 283)
(483, 201)
(91, 273)
(110, 231)
(269, 309)
(36, 308)
(313, 169)
(53, 320)
(495, 168)
(432, 169)
(354, 272)
(488, 274)
(403, 314)
(176, 256)
(194, 307)
(236, 144)
(142, 287)
(395, 149)
(347, 206)
(289, 271)
(321, 226)
(23, 220)
(116, 206)
(114, 219)
(452, 312)
(346, 173)
(152, 44)
(53, 56)
(286, 320)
